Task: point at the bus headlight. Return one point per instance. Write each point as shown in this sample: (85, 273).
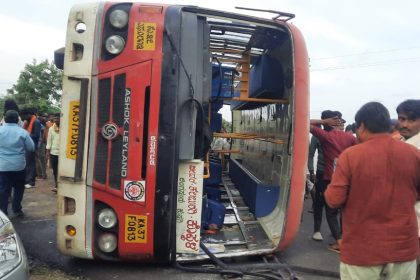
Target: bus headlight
(114, 44)
(107, 218)
(118, 18)
(107, 242)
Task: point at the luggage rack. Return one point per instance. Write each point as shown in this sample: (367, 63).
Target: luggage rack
(241, 232)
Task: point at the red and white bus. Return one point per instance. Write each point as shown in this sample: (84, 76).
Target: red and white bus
(141, 82)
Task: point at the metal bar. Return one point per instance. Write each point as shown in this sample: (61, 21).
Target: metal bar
(241, 135)
(226, 151)
(229, 56)
(260, 100)
(214, 42)
(231, 60)
(279, 14)
(227, 41)
(230, 16)
(227, 50)
(235, 211)
(218, 23)
(265, 138)
(223, 29)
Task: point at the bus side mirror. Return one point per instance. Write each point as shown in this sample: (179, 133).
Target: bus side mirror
(59, 58)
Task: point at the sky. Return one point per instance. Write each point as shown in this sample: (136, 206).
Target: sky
(359, 51)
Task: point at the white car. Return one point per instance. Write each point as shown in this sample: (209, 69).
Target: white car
(13, 260)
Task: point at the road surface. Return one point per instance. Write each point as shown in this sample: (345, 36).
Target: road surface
(308, 258)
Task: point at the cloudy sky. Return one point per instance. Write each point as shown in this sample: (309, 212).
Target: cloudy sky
(359, 51)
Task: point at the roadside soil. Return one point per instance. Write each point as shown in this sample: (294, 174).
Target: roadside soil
(39, 203)
(43, 272)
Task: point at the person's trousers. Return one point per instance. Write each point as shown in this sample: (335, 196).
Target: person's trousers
(318, 201)
(41, 161)
(12, 180)
(30, 168)
(389, 271)
(333, 221)
(54, 166)
(332, 217)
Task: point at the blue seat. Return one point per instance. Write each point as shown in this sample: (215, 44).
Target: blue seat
(260, 198)
(213, 214)
(216, 105)
(213, 192)
(215, 174)
(216, 122)
(222, 82)
(266, 79)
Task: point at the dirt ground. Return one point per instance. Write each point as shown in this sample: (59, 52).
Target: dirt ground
(40, 203)
(46, 273)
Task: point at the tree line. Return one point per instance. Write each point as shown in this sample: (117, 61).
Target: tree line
(39, 86)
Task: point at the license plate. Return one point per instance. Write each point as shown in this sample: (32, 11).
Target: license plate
(135, 228)
(73, 129)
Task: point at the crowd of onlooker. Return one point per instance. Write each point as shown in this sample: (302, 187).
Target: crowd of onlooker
(369, 186)
(29, 143)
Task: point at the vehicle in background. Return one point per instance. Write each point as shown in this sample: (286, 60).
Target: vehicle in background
(142, 91)
(13, 261)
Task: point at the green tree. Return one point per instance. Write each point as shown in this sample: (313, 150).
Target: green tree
(227, 125)
(39, 85)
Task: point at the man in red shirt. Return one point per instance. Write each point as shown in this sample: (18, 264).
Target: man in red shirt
(377, 184)
(333, 141)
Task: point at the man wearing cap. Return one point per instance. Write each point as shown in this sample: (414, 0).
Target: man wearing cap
(333, 141)
(15, 142)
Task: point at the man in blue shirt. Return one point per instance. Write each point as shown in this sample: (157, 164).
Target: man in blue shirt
(15, 142)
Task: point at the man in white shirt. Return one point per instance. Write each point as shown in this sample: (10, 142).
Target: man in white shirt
(409, 127)
(220, 143)
(409, 121)
(53, 148)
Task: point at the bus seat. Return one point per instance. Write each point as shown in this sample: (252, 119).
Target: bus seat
(266, 79)
(215, 174)
(213, 192)
(216, 122)
(213, 214)
(216, 105)
(222, 81)
(260, 198)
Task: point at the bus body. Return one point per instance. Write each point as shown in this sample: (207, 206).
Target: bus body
(141, 81)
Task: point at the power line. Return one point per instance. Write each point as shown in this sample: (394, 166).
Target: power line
(379, 63)
(366, 53)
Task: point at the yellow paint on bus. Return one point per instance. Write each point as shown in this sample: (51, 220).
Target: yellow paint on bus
(145, 36)
(135, 228)
(73, 130)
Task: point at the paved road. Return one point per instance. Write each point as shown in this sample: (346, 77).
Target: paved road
(310, 259)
